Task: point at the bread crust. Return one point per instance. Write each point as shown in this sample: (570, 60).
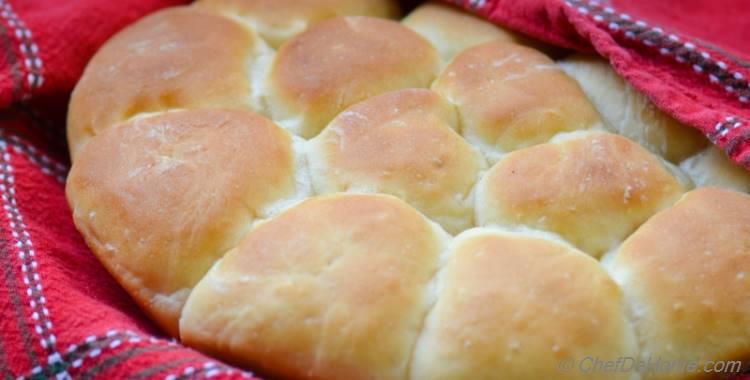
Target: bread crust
(336, 287)
(510, 96)
(173, 59)
(402, 143)
(311, 189)
(159, 199)
(516, 305)
(686, 273)
(341, 61)
(593, 189)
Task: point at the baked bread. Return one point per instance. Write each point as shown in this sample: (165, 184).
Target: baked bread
(629, 113)
(685, 274)
(315, 190)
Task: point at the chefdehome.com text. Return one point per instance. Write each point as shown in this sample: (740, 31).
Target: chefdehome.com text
(652, 365)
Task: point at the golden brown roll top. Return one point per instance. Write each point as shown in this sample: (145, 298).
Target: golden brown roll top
(402, 143)
(350, 286)
(175, 58)
(630, 113)
(593, 189)
(336, 287)
(513, 306)
(278, 20)
(510, 97)
(159, 199)
(341, 61)
(190, 200)
(686, 274)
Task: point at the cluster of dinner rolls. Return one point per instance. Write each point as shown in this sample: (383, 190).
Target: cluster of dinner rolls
(314, 190)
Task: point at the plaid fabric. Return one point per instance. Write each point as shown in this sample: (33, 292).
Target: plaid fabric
(61, 314)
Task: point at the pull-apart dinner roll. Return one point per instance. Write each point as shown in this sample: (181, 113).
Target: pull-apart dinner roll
(510, 96)
(341, 61)
(686, 275)
(312, 189)
(402, 143)
(452, 30)
(178, 190)
(593, 189)
(278, 20)
(514, 306)
(172, 59)
(336, 287)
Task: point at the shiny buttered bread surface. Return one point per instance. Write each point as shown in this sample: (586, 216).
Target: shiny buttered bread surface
(314, 189)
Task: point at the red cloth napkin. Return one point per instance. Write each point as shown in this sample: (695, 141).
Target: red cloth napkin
(61, 314)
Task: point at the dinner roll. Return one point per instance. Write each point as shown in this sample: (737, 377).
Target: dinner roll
(336, 287)
(175, 58)
(686, 274)
(278, 20)
(514, 306)
(402, 143)
(310, 190)
(711, 167)
(630, 113)
(593, 189)
(451, 30)
(439, 22)
(159, 199)
(510, 96)
(341, 61)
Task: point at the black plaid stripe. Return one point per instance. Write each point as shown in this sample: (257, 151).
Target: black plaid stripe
(10, 285)
(10, 57)
(701, 61)
(29, 55)
(118, 358)
(159, 368)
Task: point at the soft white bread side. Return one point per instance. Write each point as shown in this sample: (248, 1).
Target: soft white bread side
(159, 199)
(336, 287)
(630, 113)
(514, 306)
(402, 143)
(510, 96)
(686, 274)
(593, 189)
(711, 167)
